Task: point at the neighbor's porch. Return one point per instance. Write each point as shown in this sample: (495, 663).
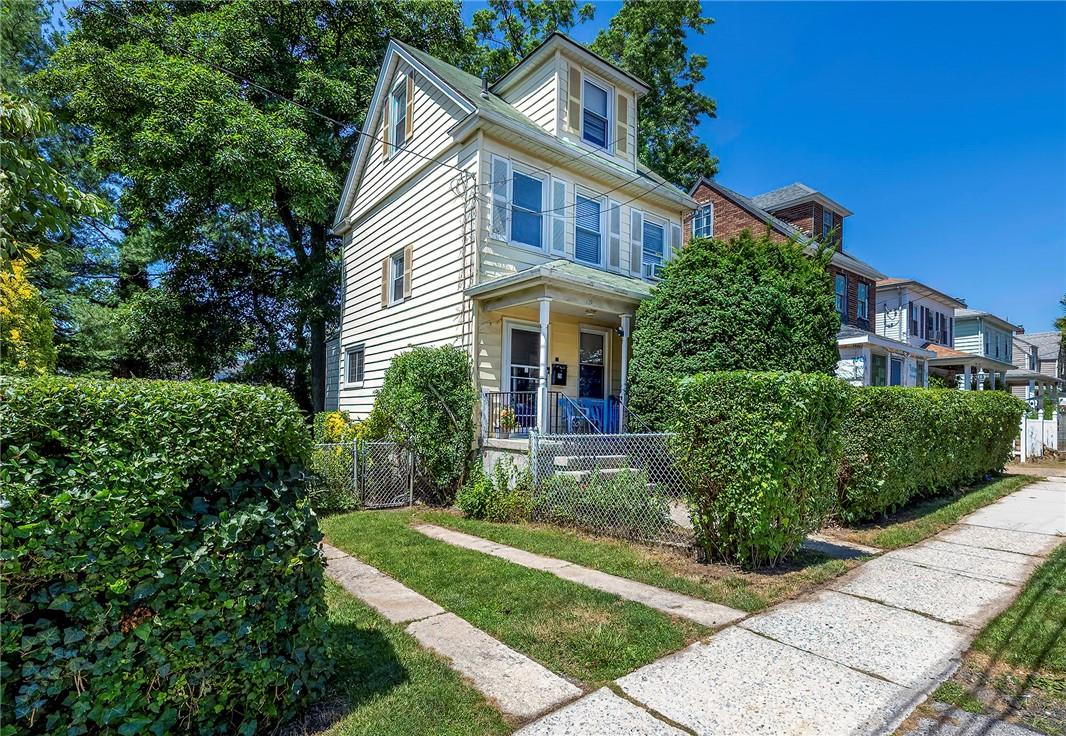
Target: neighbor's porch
(553, 350)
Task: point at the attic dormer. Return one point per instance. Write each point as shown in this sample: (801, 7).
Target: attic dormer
(578, 97)
(808, 210)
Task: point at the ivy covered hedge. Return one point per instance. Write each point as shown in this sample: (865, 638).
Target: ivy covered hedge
(160, 569)
(904, 443)
(760, 453)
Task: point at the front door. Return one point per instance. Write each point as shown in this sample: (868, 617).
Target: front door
(591, 377)
(895, 373)
(523, 365)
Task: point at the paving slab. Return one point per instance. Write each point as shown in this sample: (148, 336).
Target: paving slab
(601, 713)
(1041, 511)
(517, 685)
(1003, 567)
(1026, 543)
(951, 721)
(329, 552)
(393, 600)
(903, 647)
(837, 548)
(944, 595)
(743, 683)
(675, 604)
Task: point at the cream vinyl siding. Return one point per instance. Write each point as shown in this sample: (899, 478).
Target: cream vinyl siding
(498, 258)
(436, 313)
(888, 325)
(433, 113)
(536, 96)
(628, 158)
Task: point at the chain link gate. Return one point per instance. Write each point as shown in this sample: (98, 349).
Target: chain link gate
(361, 474)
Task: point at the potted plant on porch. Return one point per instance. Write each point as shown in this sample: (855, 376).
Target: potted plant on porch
(506, 422)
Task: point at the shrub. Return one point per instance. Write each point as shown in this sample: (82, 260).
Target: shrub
(618, 503)
(427, 405)
(506, 495)
(747, 304)
(759, 452)
(904, 443)
(160, 567)
(336, 426)
(331, 482)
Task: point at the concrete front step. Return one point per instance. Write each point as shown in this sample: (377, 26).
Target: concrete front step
(589, 462)
(583, 474)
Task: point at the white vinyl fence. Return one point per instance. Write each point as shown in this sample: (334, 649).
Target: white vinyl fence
(1040, 436)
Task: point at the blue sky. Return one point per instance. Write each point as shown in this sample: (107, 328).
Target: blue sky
(942, 126)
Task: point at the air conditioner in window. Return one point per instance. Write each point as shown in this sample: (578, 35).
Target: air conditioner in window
(653, 271)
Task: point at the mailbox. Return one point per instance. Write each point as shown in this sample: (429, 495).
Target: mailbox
(558, 374)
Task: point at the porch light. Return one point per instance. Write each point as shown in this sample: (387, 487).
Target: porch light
(590, 312)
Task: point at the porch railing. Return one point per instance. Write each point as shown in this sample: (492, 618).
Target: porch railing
(514, 414)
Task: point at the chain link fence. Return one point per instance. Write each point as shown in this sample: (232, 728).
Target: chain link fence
(621, 485)
(360, 474)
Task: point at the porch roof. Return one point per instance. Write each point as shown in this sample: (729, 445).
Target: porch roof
(1021, 376)
(562, 272)
(854, 336)
(948, 357)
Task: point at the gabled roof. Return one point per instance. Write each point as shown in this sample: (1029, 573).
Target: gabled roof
(561, 40)
(921, 289)
(999, 321)
(1047, 344)
(840, 258)
(466, 90)
(796, 193)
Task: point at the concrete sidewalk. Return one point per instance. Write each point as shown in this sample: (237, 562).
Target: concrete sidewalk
(855, 659)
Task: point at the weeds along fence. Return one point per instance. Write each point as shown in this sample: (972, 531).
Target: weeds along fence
(361, 474)
(620, 485)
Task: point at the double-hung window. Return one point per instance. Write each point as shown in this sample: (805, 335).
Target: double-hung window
(588, 230)
(396, 280)
(862, 306)
(840, 290)
(703, 223)
(398, 102)
(595, 118)
(527, 205)
(354, 363)
(827, 223)
(913, 308)
(654, 238)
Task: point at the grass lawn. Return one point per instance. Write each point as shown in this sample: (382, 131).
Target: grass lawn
(927, 518)
(587, 635)
(388, 685)
(662, 567)
(1016, 668)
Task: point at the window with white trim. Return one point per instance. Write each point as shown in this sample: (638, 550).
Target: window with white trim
(654, 239)
(588, 230)
(595, 116)
(703, 222)
(840, 290)
(862, 307)
(398, 101)
(528, 193)
(396, 274)
(354, 362)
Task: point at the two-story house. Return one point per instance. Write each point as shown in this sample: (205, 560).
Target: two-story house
(800, 212)
(513, 220)
(1038, 370)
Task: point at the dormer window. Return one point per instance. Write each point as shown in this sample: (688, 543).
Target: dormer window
(595, 114)
(398, 105)
(827, 223)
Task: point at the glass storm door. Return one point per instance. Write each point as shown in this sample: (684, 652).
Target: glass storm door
(524, 359)
(591, 360)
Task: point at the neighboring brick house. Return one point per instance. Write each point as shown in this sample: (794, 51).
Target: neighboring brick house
(800, 212)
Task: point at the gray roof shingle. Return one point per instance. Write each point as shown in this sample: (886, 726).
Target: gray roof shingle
(772, 199)
(1047, 343)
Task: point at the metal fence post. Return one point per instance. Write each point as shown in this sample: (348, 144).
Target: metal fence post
(534, 455)
(355, 468)
(410, 477)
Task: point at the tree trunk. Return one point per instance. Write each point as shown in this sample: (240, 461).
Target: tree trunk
(317, 321)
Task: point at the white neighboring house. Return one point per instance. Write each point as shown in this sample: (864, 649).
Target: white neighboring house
(513, 221)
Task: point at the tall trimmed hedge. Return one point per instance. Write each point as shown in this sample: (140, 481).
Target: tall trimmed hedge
(749, 303)
(160, 566)
(904, 443)
(759, 452)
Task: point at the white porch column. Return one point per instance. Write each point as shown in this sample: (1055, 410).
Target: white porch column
(1031, 391)
(627, 320)
(980, 380)
(542, 384)
(966, 378)
(867, 367)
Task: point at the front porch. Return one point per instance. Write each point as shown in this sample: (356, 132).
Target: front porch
(553, 350)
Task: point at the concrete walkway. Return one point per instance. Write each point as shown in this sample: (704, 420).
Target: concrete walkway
(667, 601)
(518, 686)
(853, 659)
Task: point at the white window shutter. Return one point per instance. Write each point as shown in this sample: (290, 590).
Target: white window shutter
(675, 239)
(614, 234)
(501, 198)
(558, 216)
(636, 242)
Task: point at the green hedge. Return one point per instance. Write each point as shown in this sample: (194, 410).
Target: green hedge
(160, 566)
(904, 443)
(759, 452)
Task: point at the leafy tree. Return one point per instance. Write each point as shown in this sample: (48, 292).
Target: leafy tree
(175, 93)
(647, 39)
(747, 304)
(509, 30)
(1060, 322)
